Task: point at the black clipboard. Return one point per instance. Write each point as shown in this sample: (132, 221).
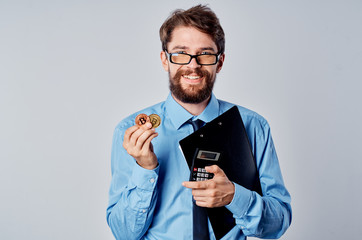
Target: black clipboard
(225, 134)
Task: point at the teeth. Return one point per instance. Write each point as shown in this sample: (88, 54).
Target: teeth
(191, 77)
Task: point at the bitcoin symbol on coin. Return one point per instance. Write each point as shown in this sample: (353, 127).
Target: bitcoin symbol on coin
(141, 119)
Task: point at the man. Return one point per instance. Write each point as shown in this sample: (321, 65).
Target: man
(150, 196)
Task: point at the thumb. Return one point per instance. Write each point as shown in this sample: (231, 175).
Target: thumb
(215, 170)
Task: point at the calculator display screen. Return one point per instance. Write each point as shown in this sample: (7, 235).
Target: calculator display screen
(207, 155)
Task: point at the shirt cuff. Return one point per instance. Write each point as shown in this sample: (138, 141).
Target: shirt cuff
(240, 204)
(143, 178)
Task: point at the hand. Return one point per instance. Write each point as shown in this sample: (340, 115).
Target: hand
(137, 142)
(216, 192)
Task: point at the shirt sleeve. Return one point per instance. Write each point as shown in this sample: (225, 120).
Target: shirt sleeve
(270, 215)
(132, 194)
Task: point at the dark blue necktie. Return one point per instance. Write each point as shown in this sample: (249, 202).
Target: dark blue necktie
(200, 226)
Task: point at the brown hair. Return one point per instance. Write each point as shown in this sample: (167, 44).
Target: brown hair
(200, 17)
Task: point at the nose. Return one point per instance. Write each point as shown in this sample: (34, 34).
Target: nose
(193, 64)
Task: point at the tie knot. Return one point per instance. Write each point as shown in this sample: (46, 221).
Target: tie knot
(196, 124)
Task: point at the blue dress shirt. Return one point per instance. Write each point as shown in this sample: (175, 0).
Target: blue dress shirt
(152, 204)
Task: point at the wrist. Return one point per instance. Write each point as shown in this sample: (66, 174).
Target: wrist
(148, 166)
(231, 194)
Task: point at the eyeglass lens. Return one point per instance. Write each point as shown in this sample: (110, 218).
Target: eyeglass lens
(185, 59)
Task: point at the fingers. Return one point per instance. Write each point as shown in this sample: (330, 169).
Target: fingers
(212, 197)
(202, 201)
(196, 185)
(133, 133)
(137, 139)
(202, 188)
(140, 136)
(128, 133)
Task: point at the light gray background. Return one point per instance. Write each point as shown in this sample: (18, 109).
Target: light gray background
(71, 70)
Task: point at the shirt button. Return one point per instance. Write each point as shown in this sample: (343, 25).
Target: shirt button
(143, 210)
(152, 180)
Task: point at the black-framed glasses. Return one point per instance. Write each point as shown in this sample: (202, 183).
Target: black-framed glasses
(201, 59)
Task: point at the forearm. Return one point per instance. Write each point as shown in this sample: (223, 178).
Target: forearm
(257, 216)
(131, 209)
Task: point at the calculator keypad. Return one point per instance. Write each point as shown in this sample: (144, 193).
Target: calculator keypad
(200, 174)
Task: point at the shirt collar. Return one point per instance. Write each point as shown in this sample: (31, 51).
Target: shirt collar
(179, 115)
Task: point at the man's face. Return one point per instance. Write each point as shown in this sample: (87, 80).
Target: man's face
(191, 83)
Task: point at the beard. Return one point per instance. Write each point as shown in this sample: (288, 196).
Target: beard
(194, 93)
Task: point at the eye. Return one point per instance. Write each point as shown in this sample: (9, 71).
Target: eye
(181, 52)
(205, 53)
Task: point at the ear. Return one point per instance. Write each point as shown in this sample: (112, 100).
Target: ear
(164, 60)
(220, 63)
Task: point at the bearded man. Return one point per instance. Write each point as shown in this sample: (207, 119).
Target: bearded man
(150, 196)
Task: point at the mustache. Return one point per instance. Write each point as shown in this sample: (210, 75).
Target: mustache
(197, 71)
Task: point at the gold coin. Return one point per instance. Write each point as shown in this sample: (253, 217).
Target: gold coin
(141, 119)
(155, 120)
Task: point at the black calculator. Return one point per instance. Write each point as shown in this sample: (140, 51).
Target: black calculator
(203, 158)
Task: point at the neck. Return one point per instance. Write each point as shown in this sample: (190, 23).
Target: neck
(193, 108)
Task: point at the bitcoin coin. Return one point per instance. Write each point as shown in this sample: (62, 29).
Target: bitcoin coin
(141, 119)
(155, 120)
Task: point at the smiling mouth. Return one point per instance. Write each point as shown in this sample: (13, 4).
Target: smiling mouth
(191, 77)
